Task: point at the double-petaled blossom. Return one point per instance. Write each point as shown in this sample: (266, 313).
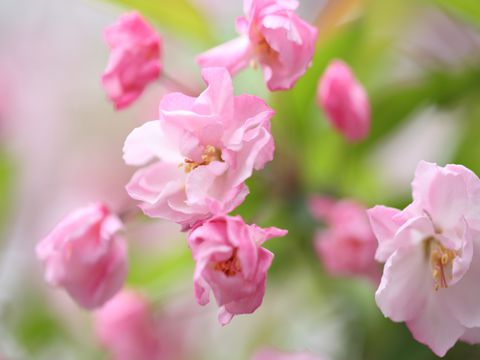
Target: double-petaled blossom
(347, 247)
(432, 255)
(344, 101)
(127, 328)
(135, 51)
(270, 354)
(200, 151)
(85, 255)
(231, 262)
(273, 35)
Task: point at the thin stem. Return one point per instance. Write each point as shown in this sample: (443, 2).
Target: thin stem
(173, 84)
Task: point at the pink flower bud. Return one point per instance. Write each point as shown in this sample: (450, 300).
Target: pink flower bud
(85, 256)
(273, 35)
(347, 247)
(344, 101)
(231, 262)
(134, 59)
(127, 328)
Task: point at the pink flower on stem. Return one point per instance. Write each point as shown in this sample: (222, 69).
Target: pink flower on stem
(432, 255)
(344, 101)
(85, 255)
(273, 35)
(270, 354)
(347, 246)
(134, 59)
(126, 327)
(231, 262)
(200, 151)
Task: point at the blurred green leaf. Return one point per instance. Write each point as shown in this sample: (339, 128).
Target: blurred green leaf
(178, 16)
(6, 182)
(468, 9)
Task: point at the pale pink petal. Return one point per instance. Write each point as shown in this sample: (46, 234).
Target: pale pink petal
(384, 224)
(233, 55)
(435, 326)
(405, 286)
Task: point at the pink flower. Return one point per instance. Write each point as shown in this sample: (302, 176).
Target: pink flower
(231, 261)
(201, 151)
(134, 59)
(348, 246)
(272, 34)
(127, 328)
(432, 255)
(270, 354)
(344, 101)
(85, 256)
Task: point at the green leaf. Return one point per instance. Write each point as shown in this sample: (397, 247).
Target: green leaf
(468, 9)
(178, 16)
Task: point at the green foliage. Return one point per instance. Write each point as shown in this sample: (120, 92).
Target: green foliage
(178, 16)
(468, 9)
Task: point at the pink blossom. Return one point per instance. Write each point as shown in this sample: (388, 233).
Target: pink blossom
(272, 34)
(347, 246)
(231, 262)
(270, 354)
(200, 151)
(344, 101)
(432, 255)
(85, 256)
(127, 328)
(134, 59)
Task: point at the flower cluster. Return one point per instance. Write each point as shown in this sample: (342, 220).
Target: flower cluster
(193, 162)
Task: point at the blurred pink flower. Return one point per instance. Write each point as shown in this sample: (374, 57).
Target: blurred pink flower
(85, 256)
(344, 101)
(134, 59)
(127, 328)
(272, 34)
(269, 354)
(203, 150)
(432, 255)
(348, 246)
(231, 261)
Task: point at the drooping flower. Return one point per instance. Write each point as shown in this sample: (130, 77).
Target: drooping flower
(432, 255)
(344, 101)
(273, 35)
(231, 262)
(85, 255)
(135, 59)
(201, 151)
(347, 246)
(270, 354)
(127, 328)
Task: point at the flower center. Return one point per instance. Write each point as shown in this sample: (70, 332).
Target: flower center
(229, 267)
(264, 52)
(441, 260)
(210, 153)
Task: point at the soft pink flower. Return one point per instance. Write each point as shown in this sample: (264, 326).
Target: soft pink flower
(134, 59)
(231, 262)
(85, 256)
(272, 34)
(270, 354)
(344, 101)
(347, 246)
(200, 151)
(126, 326)
(432, 255)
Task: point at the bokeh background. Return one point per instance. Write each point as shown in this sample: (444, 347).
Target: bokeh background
(61, 141)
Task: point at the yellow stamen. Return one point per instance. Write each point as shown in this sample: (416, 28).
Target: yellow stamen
(210, 153)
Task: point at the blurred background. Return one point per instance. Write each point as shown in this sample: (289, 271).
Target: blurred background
(61, 146)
